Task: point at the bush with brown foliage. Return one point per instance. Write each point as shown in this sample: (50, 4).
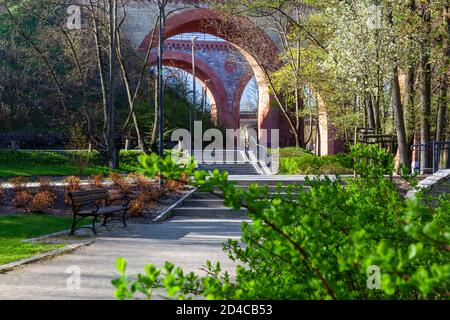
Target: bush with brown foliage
(41, 202)
(21, 199)
(2, 192)
(142, 182)
(121, 183)
(176, 185)
(19, 183)
(96, 181)
(145, 200)
(45, 184)
(151, 195)
(136, 208)
(73, 184)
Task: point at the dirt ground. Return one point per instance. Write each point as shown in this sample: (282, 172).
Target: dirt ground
(61, 207)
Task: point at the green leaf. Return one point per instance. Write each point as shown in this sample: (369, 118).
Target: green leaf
(121, 265)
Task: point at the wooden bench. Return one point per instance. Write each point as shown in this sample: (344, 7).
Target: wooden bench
(96, 203)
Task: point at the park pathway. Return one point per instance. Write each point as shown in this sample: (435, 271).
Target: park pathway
(188, 243)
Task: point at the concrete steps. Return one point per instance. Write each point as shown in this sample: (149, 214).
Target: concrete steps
(207, 205)
(235, 162)
(195, 212)
(243, 173)
(232, 169)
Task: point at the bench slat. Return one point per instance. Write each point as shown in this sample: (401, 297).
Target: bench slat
(105, 210)
(88, 192)
(90, 197)
(85, 197)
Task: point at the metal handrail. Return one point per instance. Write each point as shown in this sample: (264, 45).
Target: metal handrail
(261, 146)
(267, 154)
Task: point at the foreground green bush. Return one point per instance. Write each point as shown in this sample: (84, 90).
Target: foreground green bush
(333, 241)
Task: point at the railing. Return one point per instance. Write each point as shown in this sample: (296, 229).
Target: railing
(432, 153)
(263, 155)
(370, 136)
(200, 37)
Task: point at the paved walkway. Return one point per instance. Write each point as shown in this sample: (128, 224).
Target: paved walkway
(186, 242)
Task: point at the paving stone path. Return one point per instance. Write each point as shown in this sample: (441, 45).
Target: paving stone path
(186, 242)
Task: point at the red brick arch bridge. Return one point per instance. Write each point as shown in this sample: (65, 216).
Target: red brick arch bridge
(225, 68)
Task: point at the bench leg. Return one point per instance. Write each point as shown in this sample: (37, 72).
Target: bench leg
(93, 225)
(124, 217)
(105, 220)
(74, 224)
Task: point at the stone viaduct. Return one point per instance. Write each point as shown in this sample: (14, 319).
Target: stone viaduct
(225, 68)
(221, 69)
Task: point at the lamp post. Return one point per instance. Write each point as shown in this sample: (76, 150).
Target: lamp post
(194, 93)
(161, 6)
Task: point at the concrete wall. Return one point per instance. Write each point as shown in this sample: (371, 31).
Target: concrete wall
(434, 185)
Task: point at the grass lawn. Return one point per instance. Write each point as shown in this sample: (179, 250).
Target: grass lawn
(15, 228)
(32, 163)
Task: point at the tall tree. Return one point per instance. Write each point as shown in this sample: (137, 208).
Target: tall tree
(399, 119)
(442, 122)
(425, 83)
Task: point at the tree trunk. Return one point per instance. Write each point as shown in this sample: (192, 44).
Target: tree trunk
(442, 109)
(409, 103)
(130, 96)
(113, 159)
(370, 112)
(100, 146)
(425, 90)
(410, 91)
(154, 139)
(443, 86)
(299, 101)
(299, 104)
(399, 119)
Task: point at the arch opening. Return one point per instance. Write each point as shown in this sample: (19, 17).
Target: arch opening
(207, 77)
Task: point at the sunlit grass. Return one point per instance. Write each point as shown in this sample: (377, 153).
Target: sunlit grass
(15, 228)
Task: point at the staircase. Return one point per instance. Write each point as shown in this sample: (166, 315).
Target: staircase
(235, 162)
(244, 170)
(238, 169)
(206, 205)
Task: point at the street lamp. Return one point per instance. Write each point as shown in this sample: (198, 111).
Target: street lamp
(194, 93)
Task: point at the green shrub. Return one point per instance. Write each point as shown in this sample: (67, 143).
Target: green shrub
(40, 163)
(321, 243)
(299, 161)
(33, 158)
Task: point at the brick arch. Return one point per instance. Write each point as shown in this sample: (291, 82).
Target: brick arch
(204, 73)
(202, 20)
(208, 21)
